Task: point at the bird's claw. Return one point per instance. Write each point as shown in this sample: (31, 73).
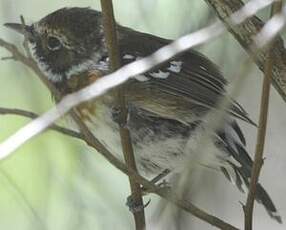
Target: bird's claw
(164, 185)
(134, 207)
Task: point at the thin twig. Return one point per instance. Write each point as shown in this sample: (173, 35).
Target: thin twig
(28, 114)
(25, 42)
(7, 58)
(109, 26)
(261, 134)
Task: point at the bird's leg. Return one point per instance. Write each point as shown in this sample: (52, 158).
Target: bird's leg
(133, 207)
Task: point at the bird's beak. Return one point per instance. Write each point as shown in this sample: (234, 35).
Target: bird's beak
(17, 27)
(22, 29)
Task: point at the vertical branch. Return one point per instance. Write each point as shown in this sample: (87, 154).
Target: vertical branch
(113, 50)
(261, 134)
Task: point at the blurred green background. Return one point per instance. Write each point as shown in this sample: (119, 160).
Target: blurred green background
(56, 182)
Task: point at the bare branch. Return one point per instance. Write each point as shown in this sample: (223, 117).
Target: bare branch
(7, 58)
(28, 114)
(245, 34)
(25, 42)
(261, 134)
(109, 26)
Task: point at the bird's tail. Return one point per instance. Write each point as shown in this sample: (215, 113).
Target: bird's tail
(237, 168)
(241, 179)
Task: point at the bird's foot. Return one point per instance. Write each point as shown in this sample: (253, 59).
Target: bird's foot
(164, 185)
(134, 206)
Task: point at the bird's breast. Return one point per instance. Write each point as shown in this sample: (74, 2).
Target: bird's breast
(158, 144)
(98, 117)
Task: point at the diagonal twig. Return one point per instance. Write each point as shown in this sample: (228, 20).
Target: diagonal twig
(28, 114)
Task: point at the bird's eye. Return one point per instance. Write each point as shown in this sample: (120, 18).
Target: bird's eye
(53, 43)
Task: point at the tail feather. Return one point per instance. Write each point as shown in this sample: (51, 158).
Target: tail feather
(237, 167)
(262, 197)
(238, 177)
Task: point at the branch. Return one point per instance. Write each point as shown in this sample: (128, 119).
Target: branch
(24, 113)
(261, 134)
(244, 34)
(109, 26)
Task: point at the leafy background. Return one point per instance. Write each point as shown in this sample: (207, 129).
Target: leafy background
(55, 182)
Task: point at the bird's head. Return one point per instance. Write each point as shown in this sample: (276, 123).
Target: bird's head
(66, 42)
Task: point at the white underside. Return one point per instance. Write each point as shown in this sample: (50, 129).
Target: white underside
(195, 152)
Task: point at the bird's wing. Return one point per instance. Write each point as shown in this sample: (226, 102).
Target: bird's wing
(183, 88)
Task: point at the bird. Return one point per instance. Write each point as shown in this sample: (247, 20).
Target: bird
(169, 107)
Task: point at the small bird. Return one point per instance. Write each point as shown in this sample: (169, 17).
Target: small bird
(169, 107)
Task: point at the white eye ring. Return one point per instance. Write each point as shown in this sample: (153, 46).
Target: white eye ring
(53, 43)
